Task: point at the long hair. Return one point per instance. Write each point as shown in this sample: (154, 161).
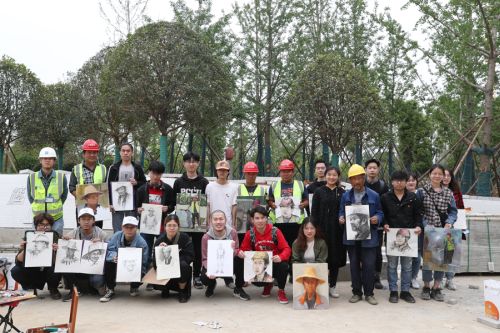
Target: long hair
(301, 238)
(453, 186)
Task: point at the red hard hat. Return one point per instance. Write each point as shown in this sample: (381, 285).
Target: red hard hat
(287, 165)
(250, 167)
(90, 145)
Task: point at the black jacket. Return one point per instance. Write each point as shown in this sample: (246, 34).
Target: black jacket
(185, 184)
(186, 249)
(379, 186)
(168, 198)
(406, 213)
(114, 173)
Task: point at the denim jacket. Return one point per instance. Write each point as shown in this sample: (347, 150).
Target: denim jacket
(372, 199)
(117, 241)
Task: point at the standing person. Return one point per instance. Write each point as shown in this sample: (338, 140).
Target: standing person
(265, 237)
(220, 230)
(250, 187)
(362, 253)
(320, 167)
(450, 182)
(439, 211)
(325, 214)
(125, 170)
(402, 209)
(155, 192)
(172, 236)
(373, 182)
(47, 189)
(411, 186)
(193, 183)
(128, 237)
(90, 171)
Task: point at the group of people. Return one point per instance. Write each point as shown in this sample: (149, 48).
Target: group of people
(316, 234)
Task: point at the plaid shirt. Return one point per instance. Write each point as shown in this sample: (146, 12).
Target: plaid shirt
(88, 175)
(440, 199)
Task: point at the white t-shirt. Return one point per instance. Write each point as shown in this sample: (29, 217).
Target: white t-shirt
(222, 197)
(309, 253)
(125, 173)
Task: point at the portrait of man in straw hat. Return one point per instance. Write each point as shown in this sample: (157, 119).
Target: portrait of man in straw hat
(307, 295)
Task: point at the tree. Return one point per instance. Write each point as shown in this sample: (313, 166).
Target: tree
(123, 16)
(18, 91)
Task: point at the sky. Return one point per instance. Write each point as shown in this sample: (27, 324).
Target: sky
(53, 37)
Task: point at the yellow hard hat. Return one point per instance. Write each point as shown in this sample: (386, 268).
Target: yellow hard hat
(355, 170)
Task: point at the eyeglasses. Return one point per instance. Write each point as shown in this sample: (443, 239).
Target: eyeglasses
(44, 226)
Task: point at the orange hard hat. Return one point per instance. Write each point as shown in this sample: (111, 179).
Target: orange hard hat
(90, 145)
(287, 165)
(250, 167)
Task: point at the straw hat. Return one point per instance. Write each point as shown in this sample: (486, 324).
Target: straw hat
(309, 272)
(90, 189)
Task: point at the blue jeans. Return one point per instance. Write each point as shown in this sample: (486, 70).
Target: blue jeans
(450, 275)
(427, 275)
(415, 265)
(362, 275)
(392, 272)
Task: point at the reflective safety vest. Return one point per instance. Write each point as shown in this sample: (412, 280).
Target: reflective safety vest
(243, 191)
(47, 201)
(298, 189)
(99, 174)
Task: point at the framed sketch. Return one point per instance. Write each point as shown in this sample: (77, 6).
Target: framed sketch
(402, 242)
(287, 210)
(442, 249)
(38, 251)
(69, 254)
(243, 207)
(92, 195)
(151, 219)
(220, 258)
(123, 196)
(167, 262)
(357, 222)
(258, 266)
(310, 287)
(129, 264)
(191, 208)
(93, 257)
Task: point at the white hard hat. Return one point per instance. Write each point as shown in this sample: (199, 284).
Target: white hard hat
(47, 152)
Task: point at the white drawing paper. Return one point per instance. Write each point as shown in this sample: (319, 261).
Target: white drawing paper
(357, 221)
(167, 262)
(402, 242)
(129, 264)
(258, 266)
(123, 196)
(287, 210)
(151, 219)
(38, 251)
(93, 257)
(220, 258)
(69, 253)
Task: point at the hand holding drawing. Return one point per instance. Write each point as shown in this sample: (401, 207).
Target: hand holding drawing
(163, 244)
(164, 208)
(418, 230)
(133, 181)
(341, 220)
(241, 254)
(140, 210)
(304, 204)
(374, 219)
(447, 226)
(276, 258)
(386, 228)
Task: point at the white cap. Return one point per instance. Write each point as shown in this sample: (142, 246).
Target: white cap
(130, 220)
(86, 211)
(47, 152)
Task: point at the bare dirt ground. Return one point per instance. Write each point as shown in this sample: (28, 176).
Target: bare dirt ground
(150, 313)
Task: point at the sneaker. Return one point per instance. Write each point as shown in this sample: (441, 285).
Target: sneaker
(282, 297)
(241, 294)
(165, 293)
(267, 290)
(134, 292)
(334, 293)
(149, 287)
(450, 285)
(393, 297)
(108, 296)
(197, 283)
(415, 284)
(407, 297)
(355, 298)
(378, 283)
(55, 294)
(230, 285)
(68, 297)
(436, 295)
(184, 296)
(371, 299)
(209, 292)
(426, 294)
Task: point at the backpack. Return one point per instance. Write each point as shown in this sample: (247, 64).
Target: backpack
(274, 232)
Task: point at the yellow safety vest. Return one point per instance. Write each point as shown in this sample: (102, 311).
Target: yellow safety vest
(40, 195)
(99, 174)
(243, 191)
(298, 189)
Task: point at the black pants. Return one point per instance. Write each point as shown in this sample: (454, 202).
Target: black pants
(35, 277)
(378, 261)
(280, 272)
(238, 272)
(333, 276)
(196, 239)
(110, 276)
(173, 284)
(362, 261)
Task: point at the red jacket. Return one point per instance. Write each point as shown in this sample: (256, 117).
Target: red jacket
(264, 242)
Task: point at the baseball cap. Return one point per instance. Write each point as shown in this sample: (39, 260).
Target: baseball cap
(86, 211)
(130, 220)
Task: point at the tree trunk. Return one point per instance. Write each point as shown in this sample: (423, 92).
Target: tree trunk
(203, 155)
(358, 152)
(260, 146)
(142, 157)
(190, 141)
(172, 154)
(60, 158)
(2, 153)
(335, 160)
(312, 159)
(164, 150)
(325, 152)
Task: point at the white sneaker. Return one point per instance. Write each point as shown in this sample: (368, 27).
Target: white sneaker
(334, 293)
(109, 295)
(415, 284)
(450, 285)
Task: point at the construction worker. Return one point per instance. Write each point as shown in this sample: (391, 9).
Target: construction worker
(48, 189)
(90, 171)
(251, 188)
(288, 195)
